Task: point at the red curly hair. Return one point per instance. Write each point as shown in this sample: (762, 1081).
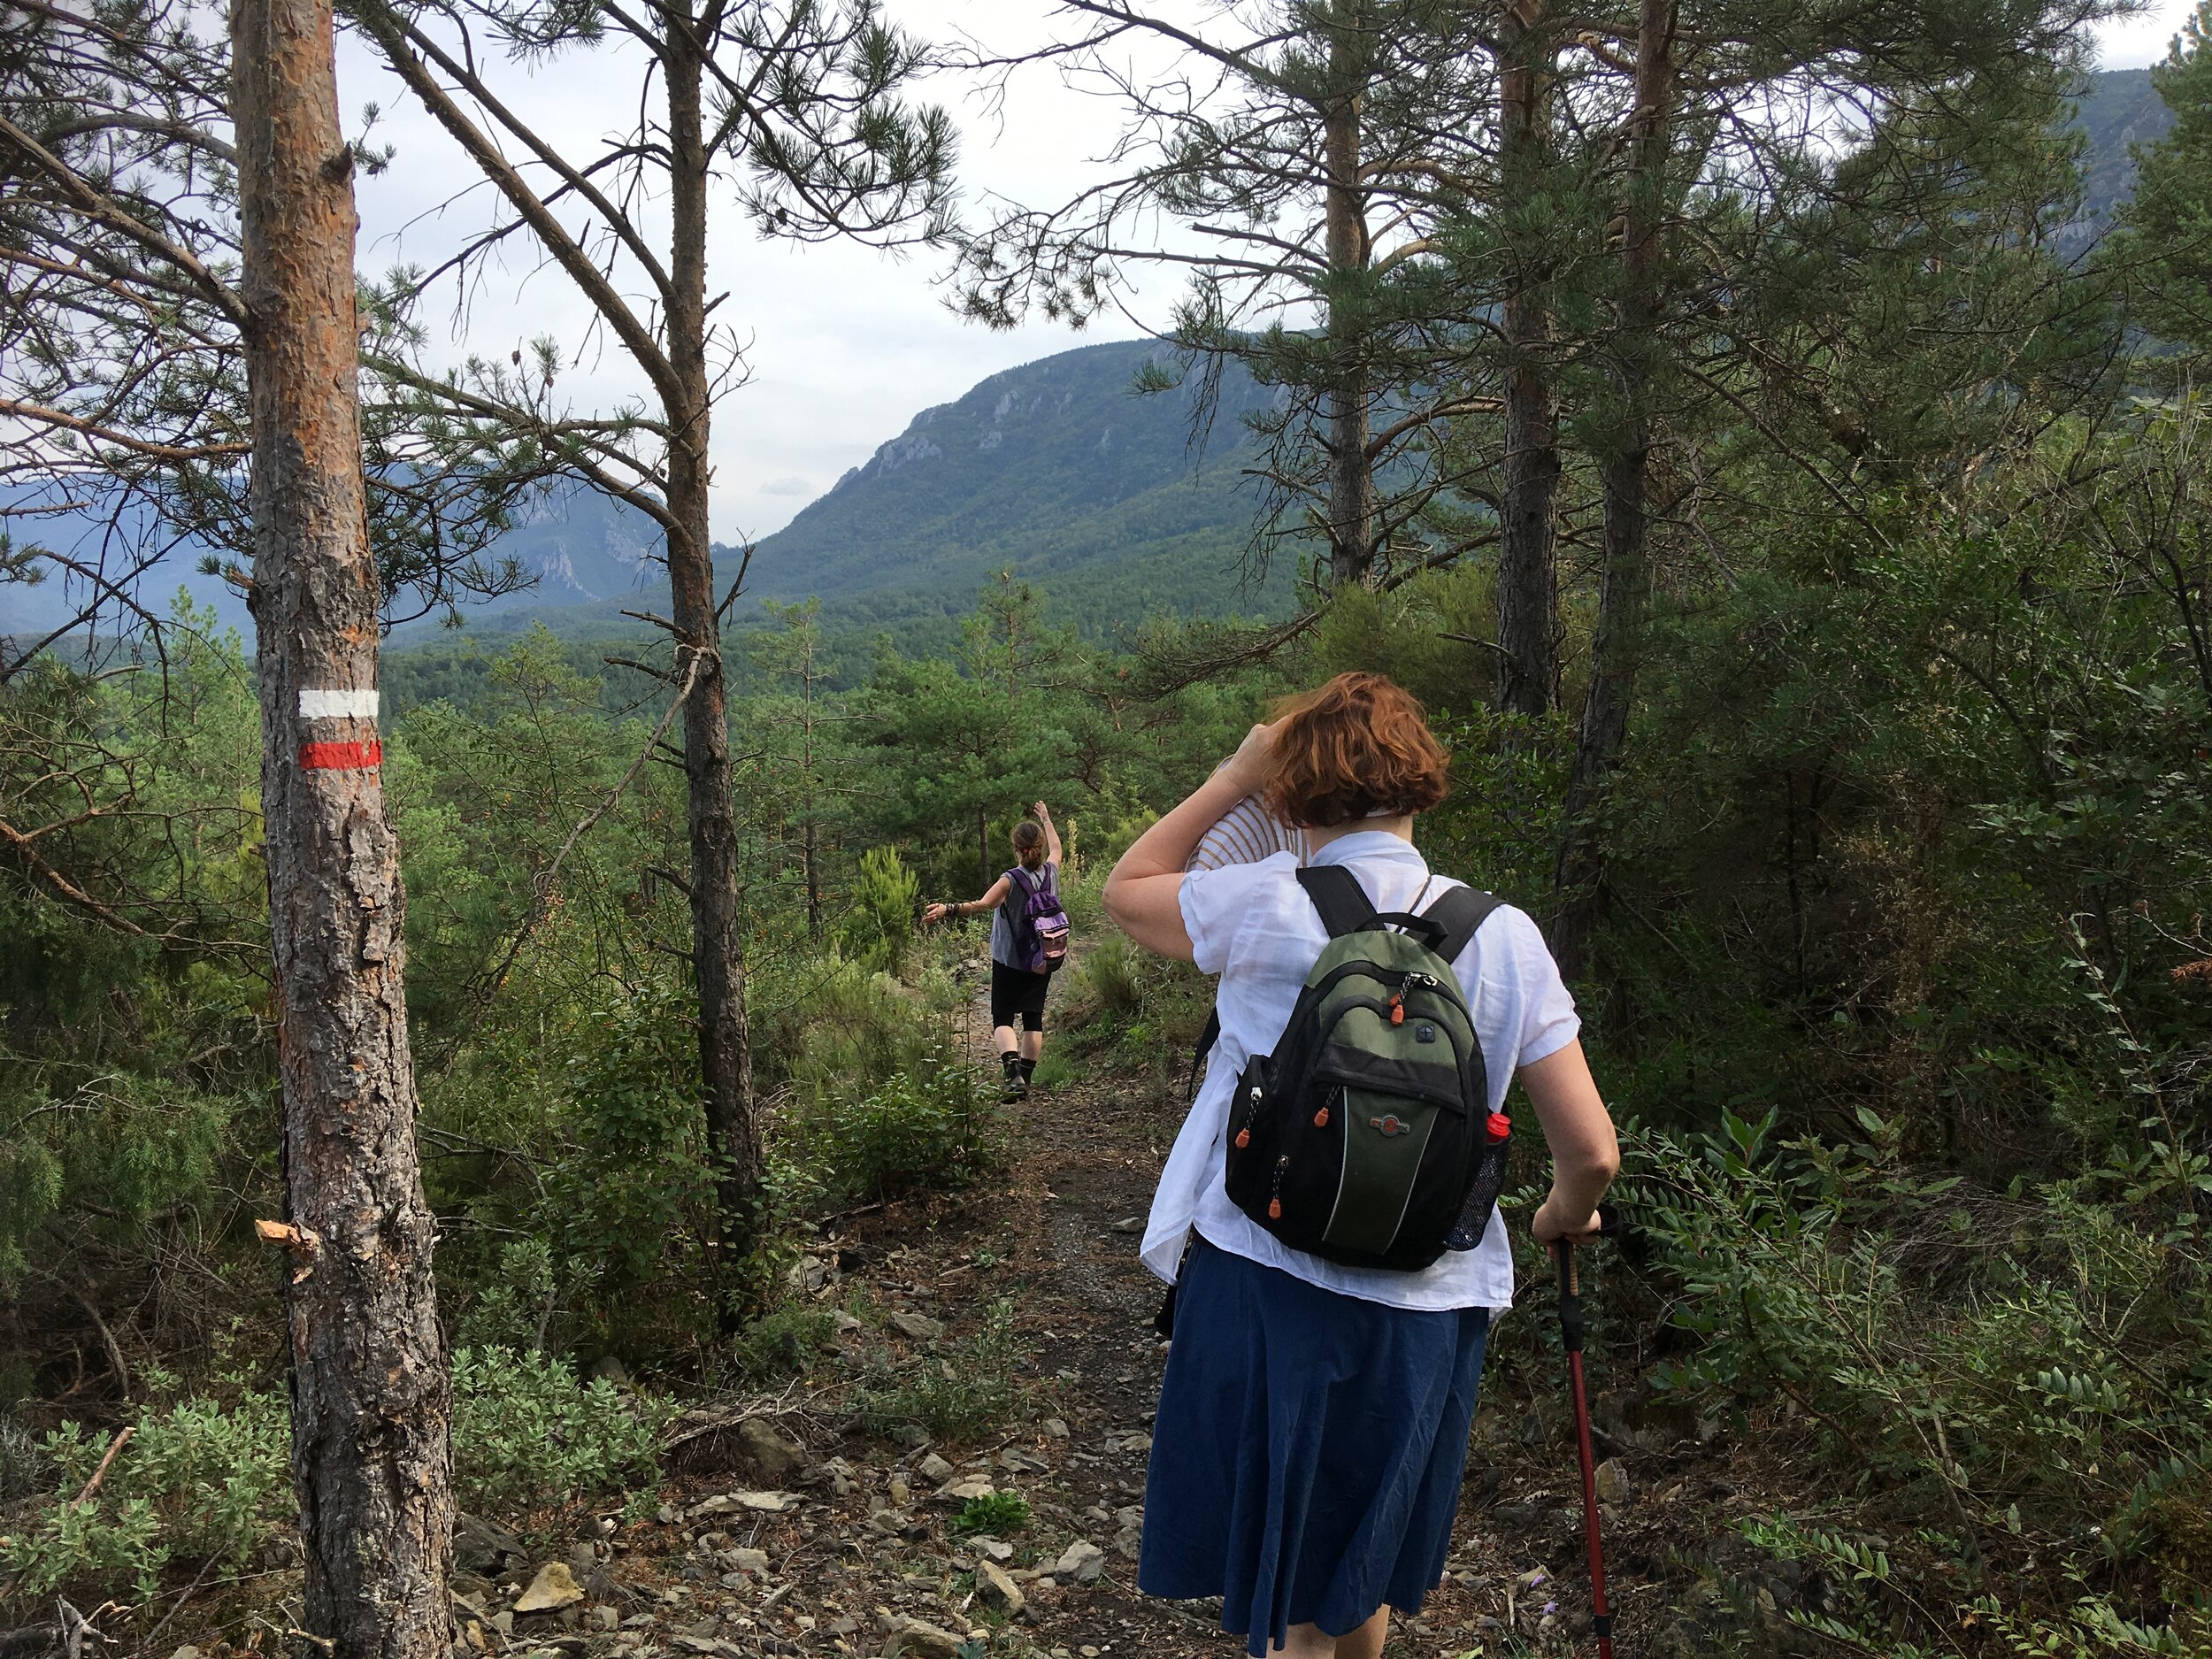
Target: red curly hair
(1359, 747)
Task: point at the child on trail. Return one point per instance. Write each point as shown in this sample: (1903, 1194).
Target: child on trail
(1312, 1426)
(1022, 964)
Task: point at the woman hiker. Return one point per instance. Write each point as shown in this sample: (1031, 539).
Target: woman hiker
(1018, 989)
(1312, 1426)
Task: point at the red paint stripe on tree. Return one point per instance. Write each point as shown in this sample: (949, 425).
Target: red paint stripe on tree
(340, 756)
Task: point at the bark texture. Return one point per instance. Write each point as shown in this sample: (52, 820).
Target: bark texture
(1528, 581)
(717, 940)
(1624, 590)
(371, 1401)
(1353, 507)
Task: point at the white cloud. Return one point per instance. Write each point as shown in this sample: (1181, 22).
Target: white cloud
(792, 485)
(2131, 42)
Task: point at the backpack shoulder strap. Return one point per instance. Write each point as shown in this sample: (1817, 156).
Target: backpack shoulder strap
(1459, 913)
(1206, 1039)
(1336, 893)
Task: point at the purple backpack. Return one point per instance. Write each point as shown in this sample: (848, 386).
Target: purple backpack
(1041, 922)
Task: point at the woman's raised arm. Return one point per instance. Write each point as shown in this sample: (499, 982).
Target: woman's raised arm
(1144, 893)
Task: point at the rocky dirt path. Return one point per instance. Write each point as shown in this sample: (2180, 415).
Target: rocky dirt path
(801, 1534)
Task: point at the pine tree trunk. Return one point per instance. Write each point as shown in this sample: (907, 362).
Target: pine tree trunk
(717, 943)
(1624, 591)
(813, 877)
(1528, 582)
(371, 1396)
(1353, 508)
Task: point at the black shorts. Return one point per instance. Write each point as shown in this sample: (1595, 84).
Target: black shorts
(1018, 991)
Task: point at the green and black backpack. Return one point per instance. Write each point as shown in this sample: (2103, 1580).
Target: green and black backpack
(1367, 1137)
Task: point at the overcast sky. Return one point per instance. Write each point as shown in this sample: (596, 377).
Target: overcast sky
(844, 345)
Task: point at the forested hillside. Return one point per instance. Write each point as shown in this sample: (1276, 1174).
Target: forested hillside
(499, 1154)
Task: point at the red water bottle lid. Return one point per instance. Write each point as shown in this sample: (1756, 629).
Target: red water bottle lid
(1501, 1125)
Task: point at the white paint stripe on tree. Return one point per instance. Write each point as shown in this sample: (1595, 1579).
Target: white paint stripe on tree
(328, 704)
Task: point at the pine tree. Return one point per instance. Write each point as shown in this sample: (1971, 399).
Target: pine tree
(1306, 156)
(1710, 129)
(803, 101)
(2164, 246)
(371, 1394)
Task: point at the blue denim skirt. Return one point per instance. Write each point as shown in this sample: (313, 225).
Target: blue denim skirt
(1308, 1450)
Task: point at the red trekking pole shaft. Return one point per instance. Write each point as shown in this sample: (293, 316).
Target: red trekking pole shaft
(1570, 1333)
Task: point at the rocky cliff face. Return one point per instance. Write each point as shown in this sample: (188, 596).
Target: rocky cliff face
(1058, 470)
(1078, 401)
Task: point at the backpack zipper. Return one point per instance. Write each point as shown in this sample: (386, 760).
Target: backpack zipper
(1251, 1110)
(1275, 1193)
(1399, 976)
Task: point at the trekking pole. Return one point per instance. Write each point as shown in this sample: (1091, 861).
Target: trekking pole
(1570, 1334)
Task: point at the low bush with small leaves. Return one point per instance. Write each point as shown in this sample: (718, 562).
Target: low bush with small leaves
(2022, 1442)
(526, 1429)
(933, 1126)
(960, 1395)
(197, 1482)
(789, 1338)
(202, 1482)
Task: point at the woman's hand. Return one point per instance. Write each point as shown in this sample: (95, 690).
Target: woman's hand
(1557, 1219)
(1248, 766)
(1042, 813)
(933, 913)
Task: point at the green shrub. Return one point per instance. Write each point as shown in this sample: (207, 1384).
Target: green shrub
(201, 1482)
(1110, 977)
(787, 1339)
(933, 1126)
(196, 1483)
(2044, 1398)
(111, 1156)
(960, 1395)
(842, 1026)
(1145, 1010)
(527, 1431)
(24, 1464)
(630, 1198)
(512, 1310)
(998, 1513)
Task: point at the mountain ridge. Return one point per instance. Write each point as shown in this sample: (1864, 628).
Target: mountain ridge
(1056, 470)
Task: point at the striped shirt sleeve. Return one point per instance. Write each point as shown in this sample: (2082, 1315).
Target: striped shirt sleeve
(1246, 833)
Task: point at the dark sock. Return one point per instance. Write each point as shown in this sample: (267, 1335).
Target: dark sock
(1029, 1070)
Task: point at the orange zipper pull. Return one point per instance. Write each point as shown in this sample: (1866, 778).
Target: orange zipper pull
(1398, 1008)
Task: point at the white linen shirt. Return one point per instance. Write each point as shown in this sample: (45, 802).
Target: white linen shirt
(1254, 925)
